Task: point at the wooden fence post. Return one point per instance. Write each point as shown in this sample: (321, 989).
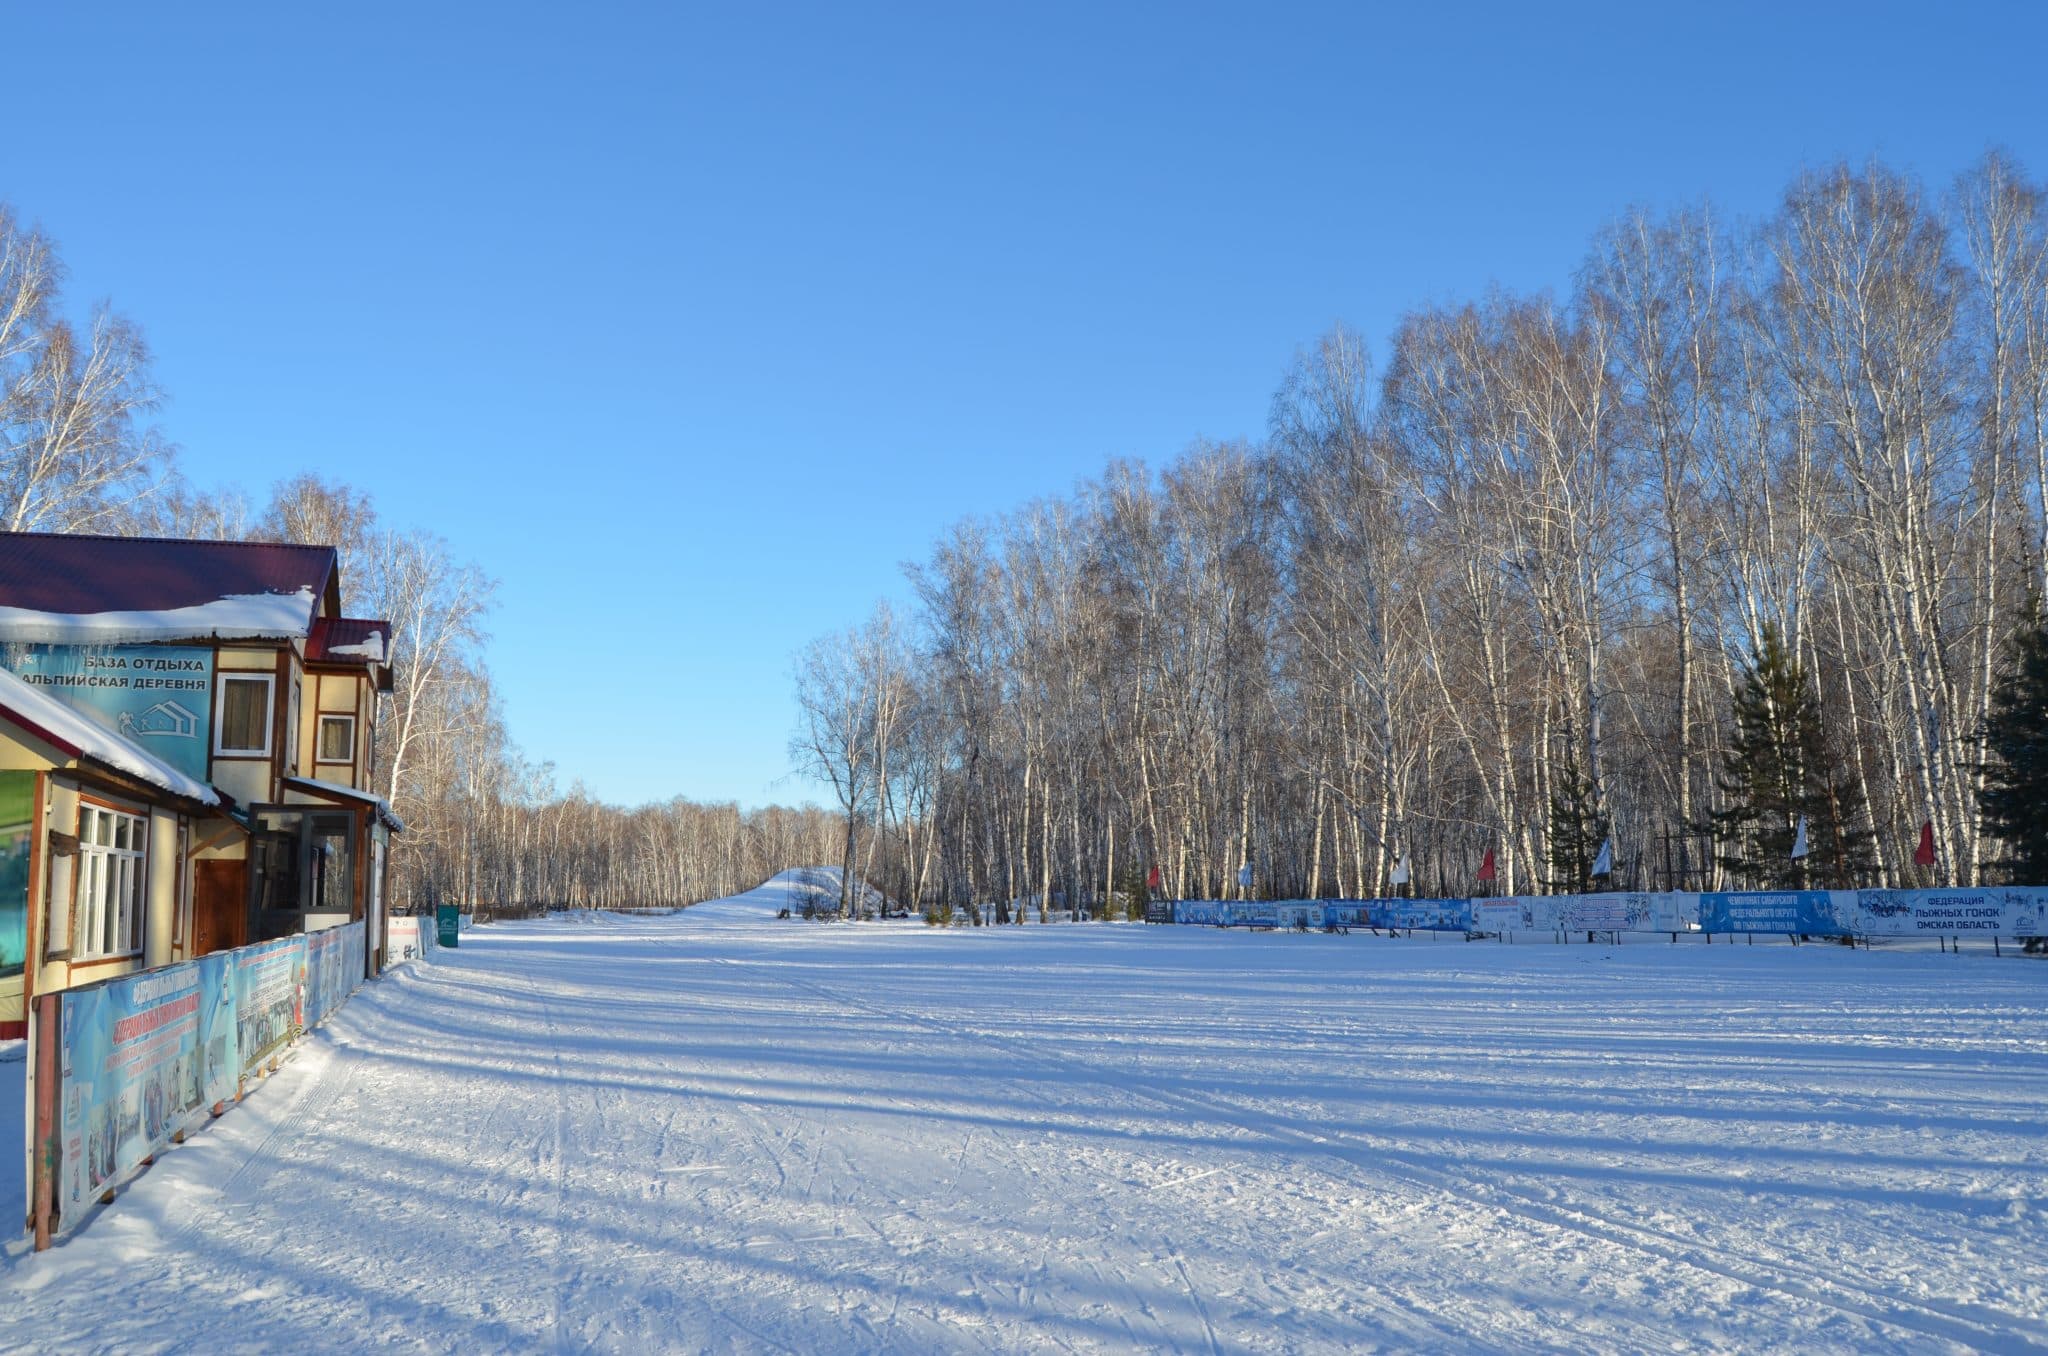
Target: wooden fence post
(46, 1144)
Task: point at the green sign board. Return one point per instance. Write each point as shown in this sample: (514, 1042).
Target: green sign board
(17, 822)
(448, 924)
(158, 697)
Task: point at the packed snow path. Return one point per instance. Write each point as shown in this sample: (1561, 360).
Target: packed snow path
(719, 1131)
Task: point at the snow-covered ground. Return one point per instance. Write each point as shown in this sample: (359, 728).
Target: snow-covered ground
(717, 1131)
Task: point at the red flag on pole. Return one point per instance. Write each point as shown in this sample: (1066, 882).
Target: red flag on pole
(1152, 881)
(1924, 854)
(1486, 871)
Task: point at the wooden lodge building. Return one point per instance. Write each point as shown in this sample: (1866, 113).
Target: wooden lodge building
(187, 736)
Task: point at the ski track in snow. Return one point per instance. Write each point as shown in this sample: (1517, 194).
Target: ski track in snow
(1967, 1325)
(717, 1131)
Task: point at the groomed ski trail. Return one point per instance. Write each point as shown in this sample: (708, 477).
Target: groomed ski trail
(717, 1131)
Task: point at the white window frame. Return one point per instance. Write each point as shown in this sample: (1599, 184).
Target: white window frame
(112, 882)
(320, 743)
(220, 723)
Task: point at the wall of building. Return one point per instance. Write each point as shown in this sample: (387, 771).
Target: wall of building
(21, 753)
(253, 781)
(335, 694)
(166, 888)
(165, 895)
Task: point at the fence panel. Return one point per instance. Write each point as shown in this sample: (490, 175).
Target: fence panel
(140, 1059)
(2009, 911)
(334, 969)
(267, 1008)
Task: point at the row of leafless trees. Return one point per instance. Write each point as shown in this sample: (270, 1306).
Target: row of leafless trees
(78, 454)
(1500, 590)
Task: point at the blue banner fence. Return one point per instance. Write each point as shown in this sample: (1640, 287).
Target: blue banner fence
(1985, 912)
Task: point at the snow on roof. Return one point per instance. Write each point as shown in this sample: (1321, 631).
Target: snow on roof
(242, 616)
(338, 790)
(79, 735)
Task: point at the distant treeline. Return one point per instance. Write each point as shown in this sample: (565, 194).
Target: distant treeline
(1504, 592)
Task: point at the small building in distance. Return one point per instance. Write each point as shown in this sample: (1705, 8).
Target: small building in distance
(187, 755)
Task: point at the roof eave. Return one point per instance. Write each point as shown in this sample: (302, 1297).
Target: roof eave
(154, 793)
(64, 746)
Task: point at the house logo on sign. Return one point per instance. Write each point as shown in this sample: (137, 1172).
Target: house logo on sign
(166, 720)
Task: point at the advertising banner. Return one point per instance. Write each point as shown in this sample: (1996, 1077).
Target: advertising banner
(405, 940)
(1809, 913)
(267, 1011)
(1675, 912)
(1298, 915)
(2027, 906)
(141, 1059)
(17, 824)
(160, 697)
(1604, 913)
(2009, 912)
(1422, 915)
(1613, 912)
(1249, 913)
(1347, 913)
(1502, 915)
(334, 968)
(144, 1057)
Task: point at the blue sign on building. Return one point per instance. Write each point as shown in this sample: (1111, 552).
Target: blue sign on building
(158, 697)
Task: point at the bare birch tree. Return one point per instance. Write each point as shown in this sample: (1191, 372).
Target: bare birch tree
(76, 454)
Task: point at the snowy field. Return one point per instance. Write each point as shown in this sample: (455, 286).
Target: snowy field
(716, 1131)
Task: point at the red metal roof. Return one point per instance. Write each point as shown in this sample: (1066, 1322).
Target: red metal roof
(342, 640)
(49, 572)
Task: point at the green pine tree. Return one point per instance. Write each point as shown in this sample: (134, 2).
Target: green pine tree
(1577, 829)
(2014, 804)
(1781, 766)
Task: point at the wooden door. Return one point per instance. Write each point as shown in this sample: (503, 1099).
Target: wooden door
(220, 906)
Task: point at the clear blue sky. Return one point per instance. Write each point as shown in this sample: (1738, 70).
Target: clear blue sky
(691, 324)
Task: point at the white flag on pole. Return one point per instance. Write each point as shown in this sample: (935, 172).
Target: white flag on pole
(1603, 865)
(1400, 876)
(1799, 848)
(1244, 876)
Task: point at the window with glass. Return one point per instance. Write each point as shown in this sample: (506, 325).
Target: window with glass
(110, 882)
(337, 742)
(329, 840)
(274, 871)
(243, 723)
